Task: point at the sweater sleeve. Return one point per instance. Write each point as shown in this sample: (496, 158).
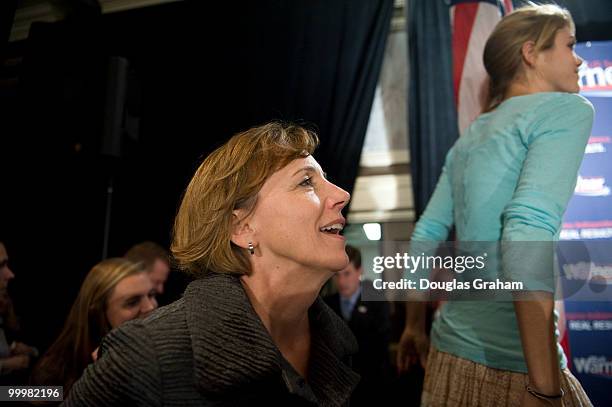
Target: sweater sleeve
(555, 135)
(434, 225)
(126, 372)
(437, 220)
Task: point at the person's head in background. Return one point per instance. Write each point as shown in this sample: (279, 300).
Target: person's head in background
(114, 291)
(6, 304)
(531, 50)
(7, 311)
(155, 259)
(348, 279)
(6, 274)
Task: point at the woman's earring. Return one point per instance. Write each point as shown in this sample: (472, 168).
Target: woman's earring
(251, 248)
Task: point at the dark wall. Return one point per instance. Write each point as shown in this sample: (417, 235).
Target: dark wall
(593, 18)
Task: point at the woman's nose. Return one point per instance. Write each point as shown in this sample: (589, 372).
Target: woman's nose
(148, 305)
(340, 198)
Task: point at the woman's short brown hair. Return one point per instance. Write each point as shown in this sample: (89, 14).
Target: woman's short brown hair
(228, 179)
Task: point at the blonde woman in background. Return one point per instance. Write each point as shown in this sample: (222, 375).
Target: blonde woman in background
(114, 291)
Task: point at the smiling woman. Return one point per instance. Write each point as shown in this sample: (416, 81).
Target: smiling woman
(296, 221)
(271, 163)
(114, 291)
(259, 224)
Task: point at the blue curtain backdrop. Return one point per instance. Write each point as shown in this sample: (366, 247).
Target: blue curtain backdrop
(432, 117)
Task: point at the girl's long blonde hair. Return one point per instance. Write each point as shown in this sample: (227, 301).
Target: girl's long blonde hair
(85, 326)
(502, 54)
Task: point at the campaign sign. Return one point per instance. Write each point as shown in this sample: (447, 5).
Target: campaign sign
(588, 224)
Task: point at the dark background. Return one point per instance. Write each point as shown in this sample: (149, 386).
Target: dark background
(198, 72)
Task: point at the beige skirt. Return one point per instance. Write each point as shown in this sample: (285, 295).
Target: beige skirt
(456, 382)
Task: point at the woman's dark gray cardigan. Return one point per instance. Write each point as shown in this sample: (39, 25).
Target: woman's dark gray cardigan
(211, 348)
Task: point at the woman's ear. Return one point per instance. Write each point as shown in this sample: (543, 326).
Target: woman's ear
(529, 53)
(241, 230)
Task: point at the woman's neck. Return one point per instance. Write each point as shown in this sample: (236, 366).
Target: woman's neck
(526, 87)
(281, 300)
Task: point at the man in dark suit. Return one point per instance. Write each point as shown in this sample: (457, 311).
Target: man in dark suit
(370, 324)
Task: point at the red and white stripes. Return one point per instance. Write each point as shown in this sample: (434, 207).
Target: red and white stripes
(471, 22)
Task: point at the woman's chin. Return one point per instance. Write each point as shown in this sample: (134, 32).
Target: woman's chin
(339, 264)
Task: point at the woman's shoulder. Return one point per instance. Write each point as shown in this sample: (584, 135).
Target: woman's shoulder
(563, 100)
(133, 358)
(171, 314)
(166, 328)
(145, 339)
(556, 111)
(551, 104)
(544, 112)
(539, 98)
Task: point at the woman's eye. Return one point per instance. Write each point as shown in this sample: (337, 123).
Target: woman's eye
(131, 304)
(307, 182)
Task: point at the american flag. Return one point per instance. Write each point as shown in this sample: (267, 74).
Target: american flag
(472, 21)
